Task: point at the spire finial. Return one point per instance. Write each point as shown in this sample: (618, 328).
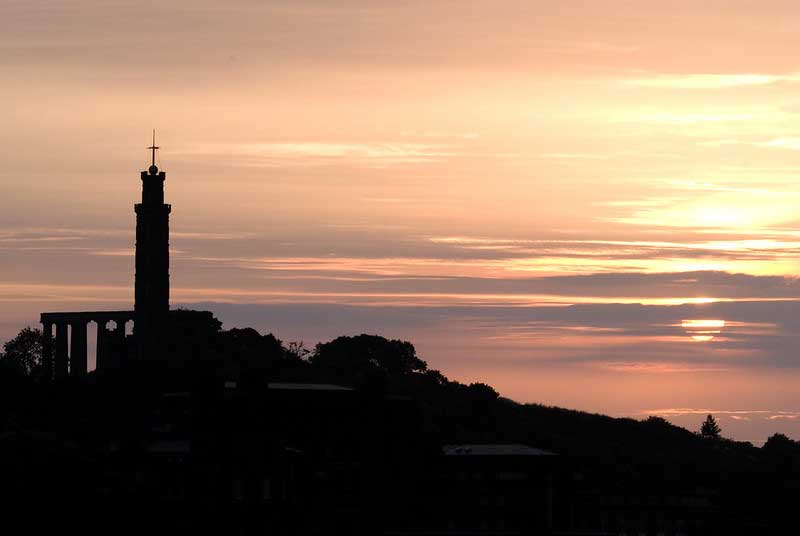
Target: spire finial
(153, 169)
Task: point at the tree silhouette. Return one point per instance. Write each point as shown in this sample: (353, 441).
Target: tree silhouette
(710, 428)
(24, 352)
(350, 357)
(780, 442)
(297, 351)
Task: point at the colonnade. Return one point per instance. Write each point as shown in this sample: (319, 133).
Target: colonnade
(67, 354)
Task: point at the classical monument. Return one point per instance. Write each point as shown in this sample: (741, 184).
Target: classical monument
(65, 354)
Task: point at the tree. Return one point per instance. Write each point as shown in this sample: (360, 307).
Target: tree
(297, 351)
(349, 358)
(778, 445)
(249, 351)
(482, 392)
(655, 420)
(710, 429)
(24, 352)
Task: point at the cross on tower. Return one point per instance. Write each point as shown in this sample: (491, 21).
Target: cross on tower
(153, 148)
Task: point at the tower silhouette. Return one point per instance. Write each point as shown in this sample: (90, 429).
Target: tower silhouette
(151, 306)
(66, 355)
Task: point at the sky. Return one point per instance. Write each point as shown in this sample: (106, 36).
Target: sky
(589, 204)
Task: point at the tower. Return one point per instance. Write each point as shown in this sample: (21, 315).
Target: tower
(151, 307)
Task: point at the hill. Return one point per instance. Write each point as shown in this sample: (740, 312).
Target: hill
(210, 386)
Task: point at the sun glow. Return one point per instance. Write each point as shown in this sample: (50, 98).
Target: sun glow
(717, 208)
(718, 217)
(702, 324)
(703, 329)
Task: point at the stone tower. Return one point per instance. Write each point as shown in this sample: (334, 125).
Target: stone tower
(151, 307)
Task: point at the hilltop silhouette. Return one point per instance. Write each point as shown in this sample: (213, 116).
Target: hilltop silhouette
(361, 420)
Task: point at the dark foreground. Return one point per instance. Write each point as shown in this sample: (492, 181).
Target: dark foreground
(230, 432)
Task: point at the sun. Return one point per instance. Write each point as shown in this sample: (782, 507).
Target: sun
(702, 324)
(722, 217)
(703, 329)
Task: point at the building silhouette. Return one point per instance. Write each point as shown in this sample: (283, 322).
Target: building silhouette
(151, 305)
(65, 352)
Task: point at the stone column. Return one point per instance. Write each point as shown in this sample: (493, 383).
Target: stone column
(120, 349)
(77, 355)
(47, 350)
(61, 351)
(102, 345)
(119, 332)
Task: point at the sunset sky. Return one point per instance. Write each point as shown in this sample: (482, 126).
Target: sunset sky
(590, 204)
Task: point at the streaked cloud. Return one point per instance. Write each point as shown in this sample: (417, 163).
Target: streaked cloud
(703, 411)
(775, 143)
(70, 293)
(693, 119)
(315, 153)
(703, 81)
(574, 156)
(595, 256)
(783, 143)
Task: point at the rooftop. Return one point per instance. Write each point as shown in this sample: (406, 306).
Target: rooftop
(494, 449)
(307, 387)
(169, 447)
